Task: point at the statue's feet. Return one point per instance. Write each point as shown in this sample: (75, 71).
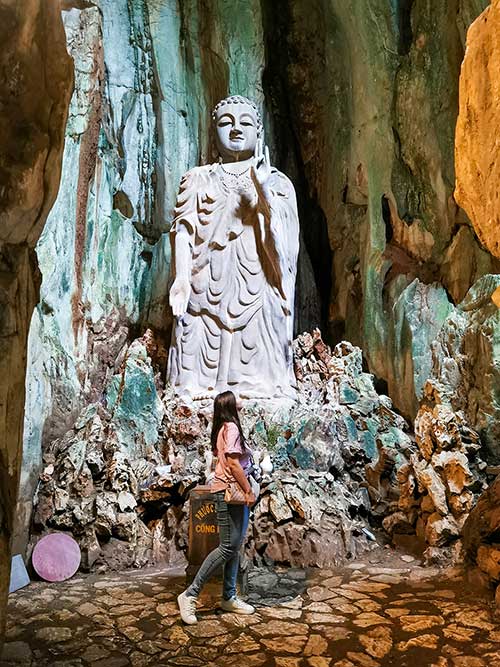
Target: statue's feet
(254, 394)
(248, 394)
(204, 396)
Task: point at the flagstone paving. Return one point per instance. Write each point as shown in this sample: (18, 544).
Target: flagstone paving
(384, 611)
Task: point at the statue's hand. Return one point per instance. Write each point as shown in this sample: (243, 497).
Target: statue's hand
(179, 296)
(261, 169)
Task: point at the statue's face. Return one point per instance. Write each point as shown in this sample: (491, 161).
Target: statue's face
(236, 131)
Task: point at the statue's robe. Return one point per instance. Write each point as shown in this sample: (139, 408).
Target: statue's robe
(237, 331)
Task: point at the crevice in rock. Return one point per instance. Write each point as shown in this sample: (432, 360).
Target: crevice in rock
(122, 203)
(405, 36)
(386, 215)
(314, 229)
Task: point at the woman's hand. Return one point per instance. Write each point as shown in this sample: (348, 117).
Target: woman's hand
(250, 498)
(179, 296)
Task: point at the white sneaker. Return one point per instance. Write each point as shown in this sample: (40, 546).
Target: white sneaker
(187, 607)
(237, 606)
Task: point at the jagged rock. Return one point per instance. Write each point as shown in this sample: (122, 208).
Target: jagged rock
(336, 456)
(61, 498)
(429, 480)
(407, 486)
(296, 501)
(133, 401)
(441, 530)
(465, 372)
(448, 472)
(419, 313)
(481, 530)
(125, 526)
(90, 549)
(126, 501)
(83, 485)
(326, 532)
(454, 467)
(278, 507)
(461, 505)
(106, 506)
(119, 474)
(426, 505)
(423, 432)
(442, 556)
(83, 511)
(488, 560)
(397, 523)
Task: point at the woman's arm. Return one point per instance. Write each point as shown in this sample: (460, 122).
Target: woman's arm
(232, 453)
(233, 461)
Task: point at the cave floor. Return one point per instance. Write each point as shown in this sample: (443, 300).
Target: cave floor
(381, 610)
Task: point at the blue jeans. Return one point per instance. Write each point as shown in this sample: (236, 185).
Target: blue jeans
(233, 524)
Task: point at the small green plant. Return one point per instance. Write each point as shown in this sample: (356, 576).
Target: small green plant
(274, 430)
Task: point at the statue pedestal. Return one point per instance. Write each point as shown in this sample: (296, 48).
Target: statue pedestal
(204, 535)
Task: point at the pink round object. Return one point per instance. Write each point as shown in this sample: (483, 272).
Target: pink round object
(56, 557)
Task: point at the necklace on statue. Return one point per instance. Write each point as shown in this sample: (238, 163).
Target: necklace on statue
(232, 182)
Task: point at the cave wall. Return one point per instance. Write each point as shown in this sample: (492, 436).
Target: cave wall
(35, 84)
(476, 141)
(465, 369)
(373, 91)
(360, 102)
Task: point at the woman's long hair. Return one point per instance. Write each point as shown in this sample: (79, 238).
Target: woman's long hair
(224, 411)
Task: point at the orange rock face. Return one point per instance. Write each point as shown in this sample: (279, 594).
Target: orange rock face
(477, 143)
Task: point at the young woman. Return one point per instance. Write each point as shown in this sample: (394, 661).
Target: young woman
(233, 464)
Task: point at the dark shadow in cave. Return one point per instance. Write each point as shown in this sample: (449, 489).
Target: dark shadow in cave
(312, 309)
(405, 38)
(386, 215)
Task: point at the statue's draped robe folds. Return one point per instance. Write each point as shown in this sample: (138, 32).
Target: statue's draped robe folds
(237, 331)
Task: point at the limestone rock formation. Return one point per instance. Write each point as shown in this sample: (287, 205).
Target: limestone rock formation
(35, 83)
(481, 534)
(464, 369)
(91, 479)
(442, 481)
(476, 147)
(119, 479)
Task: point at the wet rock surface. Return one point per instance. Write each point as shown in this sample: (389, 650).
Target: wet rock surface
(382, 610)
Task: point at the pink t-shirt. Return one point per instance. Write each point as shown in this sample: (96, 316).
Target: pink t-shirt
(229, 442)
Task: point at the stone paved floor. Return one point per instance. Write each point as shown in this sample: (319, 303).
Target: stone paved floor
(383, 611)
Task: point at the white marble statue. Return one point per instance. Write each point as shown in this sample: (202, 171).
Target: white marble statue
(235, 241)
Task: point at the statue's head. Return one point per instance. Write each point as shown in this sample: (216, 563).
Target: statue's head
(238, 125)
